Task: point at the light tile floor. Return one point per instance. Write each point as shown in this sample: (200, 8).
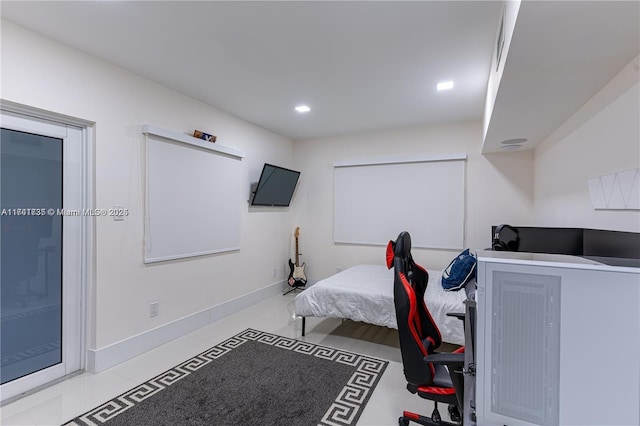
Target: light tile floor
(63, 401)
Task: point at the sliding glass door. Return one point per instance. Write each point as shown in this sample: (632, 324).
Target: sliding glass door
(41, 252)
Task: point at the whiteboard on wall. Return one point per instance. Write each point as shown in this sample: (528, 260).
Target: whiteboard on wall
(193, 198)
(374, 201)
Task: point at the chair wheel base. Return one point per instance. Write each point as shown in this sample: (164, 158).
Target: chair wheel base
(434, 420)
(454, 414)
(435, 416)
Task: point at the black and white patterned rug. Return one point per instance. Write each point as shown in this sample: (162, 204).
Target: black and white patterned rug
(253, 378)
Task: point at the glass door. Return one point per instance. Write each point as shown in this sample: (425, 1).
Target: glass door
(40, 252)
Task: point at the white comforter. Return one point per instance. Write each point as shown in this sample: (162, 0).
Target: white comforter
(365, 293)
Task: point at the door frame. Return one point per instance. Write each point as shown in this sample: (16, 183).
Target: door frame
(84, 267)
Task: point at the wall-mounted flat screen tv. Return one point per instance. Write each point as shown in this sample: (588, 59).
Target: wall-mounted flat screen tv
(275, 187)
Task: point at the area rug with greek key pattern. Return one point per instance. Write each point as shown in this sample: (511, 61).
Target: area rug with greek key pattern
(253, 378)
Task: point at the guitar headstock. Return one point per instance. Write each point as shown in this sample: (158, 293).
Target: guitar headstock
(297, 233)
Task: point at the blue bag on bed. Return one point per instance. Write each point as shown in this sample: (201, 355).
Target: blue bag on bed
(459, 272)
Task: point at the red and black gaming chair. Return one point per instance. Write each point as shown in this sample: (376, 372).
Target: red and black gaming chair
(434, 376)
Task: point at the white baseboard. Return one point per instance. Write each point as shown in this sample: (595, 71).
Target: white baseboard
(111, 355)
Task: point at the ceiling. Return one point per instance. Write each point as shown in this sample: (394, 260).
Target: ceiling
(361, 66)
(561, 54)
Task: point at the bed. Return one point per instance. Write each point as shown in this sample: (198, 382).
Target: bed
(364, 293)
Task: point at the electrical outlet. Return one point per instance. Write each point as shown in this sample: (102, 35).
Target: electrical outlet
(153, 310)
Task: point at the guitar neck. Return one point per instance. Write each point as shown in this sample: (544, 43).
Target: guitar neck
(297, 260)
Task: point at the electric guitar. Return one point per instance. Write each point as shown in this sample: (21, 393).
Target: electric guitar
(297, 278)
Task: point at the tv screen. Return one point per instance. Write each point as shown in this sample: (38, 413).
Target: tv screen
(275, 187)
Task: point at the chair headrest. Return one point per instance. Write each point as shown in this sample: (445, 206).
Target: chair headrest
(403, 245)
(401, 248)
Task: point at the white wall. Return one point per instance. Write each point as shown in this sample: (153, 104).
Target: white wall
(499, 188)
(601, 138)
(44, 74)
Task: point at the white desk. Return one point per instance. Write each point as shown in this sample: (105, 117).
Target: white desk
(558, 341)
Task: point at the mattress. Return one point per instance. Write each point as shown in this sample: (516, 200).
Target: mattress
(364, 293)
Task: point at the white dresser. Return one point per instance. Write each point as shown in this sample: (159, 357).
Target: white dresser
(558, 341)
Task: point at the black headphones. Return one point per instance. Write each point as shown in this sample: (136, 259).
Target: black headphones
(511, 245)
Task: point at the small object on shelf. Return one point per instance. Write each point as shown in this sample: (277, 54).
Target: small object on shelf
(204, 136)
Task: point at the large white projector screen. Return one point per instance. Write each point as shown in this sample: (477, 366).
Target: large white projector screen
(375, 201)
(193, 199)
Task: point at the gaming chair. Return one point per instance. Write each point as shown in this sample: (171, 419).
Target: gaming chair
(434, 376)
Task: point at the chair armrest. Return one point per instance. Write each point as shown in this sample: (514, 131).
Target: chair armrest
(454, 363)
(459, 315)
(453, 359)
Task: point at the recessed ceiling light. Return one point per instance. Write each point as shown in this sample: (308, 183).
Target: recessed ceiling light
(445, 85)
(512, 147)
(302, 108)
(514, 141)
